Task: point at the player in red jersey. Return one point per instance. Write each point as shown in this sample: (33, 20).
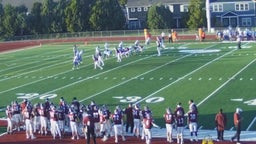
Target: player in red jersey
(169, 121)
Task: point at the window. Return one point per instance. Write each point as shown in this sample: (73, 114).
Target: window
(132, 9)
(217, 8)
(171, 8)
(145, 8)
(139, 9)
(183, 8)
(246, 21)
(241, 6)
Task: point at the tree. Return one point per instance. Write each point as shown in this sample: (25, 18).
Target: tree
(48, 15)
(77, 15)
(196, 14)
(107, 15)
(1, 20)
(35, 20)
(122, 2)
(10, 23)
(21, 19)
(59, 25)
(159, 17)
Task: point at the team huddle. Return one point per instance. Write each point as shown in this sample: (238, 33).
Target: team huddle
(93, 121)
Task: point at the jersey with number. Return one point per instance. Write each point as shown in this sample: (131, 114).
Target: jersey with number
(169, 118)
(117, 118)
(180, 121)
(106, 113)
(136, 113)
(16, 109)
(192, 117)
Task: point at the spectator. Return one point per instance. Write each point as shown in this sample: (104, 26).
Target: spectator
(237, 123)
(220, 121)
(129, 118)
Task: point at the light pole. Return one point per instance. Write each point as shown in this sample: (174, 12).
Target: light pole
(208, 15)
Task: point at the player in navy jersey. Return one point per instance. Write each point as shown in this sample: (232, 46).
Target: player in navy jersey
(36, 120)
(61, 119)
(180, 109)
(136, 120)
(180, 122)
(118, 125)
(169, 121)
(192, 121)
(16, 112)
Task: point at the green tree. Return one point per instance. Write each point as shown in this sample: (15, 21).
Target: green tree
(77, 15)
(35, 20)
(122, 2)
(59, 25)
(21, 18)
(10, 23)
(159, 17)
(107, 15)
(1, 20)
(48, 15)
(196, 14)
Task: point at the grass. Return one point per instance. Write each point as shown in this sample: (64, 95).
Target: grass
(215, 75)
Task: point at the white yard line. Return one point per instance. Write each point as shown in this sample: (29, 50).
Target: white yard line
(74, 83)
(205, 99)
(181, 78)
(253, 121)
(91, 96)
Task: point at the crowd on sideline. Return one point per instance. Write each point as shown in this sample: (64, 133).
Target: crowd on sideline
(94, 121)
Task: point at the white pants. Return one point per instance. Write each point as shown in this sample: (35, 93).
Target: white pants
(180, 131)
(29, 128)
(137, 125)
(148, 135)
(169, 128)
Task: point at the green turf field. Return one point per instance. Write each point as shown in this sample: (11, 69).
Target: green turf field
(215, 75)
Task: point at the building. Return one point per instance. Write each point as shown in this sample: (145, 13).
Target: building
(137, 11)
(233, 13)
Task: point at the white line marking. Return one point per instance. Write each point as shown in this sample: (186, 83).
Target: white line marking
(225, 83)
(253, 121)
(183, 77)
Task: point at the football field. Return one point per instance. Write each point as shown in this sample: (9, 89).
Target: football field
(214, 74)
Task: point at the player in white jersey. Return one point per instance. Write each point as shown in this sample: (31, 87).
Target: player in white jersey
(43, 119)
(96, 62)
(75, 62)
(8, 113)
(107, 52)
(27, 113)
